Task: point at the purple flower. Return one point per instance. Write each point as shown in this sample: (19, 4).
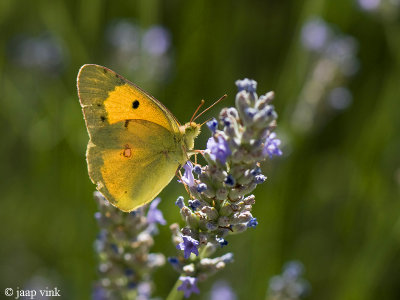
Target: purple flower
(369, 5)
(293, 269)
(154, 215)
(230, 181)
(187, 177)
(222, 242)
(212, 125)
(256, 171)
(173, 260)
(188, 286)
(194, 204)
(271, 146)
(189, 245)
(197, 169)
(315, 34)
(249, 85)
(201, 187)
(260, 178)
(252, 223)
(156, 40)
(99, 293)
(222, 290)
(218, 149)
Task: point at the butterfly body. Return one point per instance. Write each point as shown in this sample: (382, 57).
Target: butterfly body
(136, 145)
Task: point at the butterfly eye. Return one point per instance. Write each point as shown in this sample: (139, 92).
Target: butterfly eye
(135, 104)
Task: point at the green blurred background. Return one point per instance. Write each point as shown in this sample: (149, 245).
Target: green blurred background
(332, 200)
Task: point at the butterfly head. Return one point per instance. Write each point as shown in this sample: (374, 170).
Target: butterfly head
(190, 131)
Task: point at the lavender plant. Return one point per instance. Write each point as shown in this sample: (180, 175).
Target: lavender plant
(289, 285)
(333, 61)
(123, 245)
(220, 199)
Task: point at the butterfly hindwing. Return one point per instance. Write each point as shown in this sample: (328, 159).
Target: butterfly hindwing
(132, 164)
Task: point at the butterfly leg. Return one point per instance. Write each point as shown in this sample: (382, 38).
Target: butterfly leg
(179, 175)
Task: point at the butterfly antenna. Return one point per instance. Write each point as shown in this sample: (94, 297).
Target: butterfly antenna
(219, 100)
(201, 104)
(201, 125)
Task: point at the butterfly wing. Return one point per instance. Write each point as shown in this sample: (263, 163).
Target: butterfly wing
(107, 98)
(135, 145)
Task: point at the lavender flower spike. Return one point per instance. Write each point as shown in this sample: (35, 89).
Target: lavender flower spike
(220, 200)
(188, 286)
(189, 245)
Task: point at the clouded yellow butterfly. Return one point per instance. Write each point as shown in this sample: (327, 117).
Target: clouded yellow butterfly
(136, 144)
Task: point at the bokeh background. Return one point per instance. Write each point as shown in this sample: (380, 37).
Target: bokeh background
(331, 201)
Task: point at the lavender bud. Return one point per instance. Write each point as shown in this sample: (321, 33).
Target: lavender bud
(258, 179)
(189, 269)
(212, 125)
(250, 200)
(223, 221)
(197, 169)
(230, 181)
(264, 100)
(211, 226)
(239, 228)
(180, 202)
(237, 156)
(231, 111)
(227, 258)
(203, 238)
(226, 209)
(211, 212)
(194, 204)
(234, 195)
(201, 187)
(221, 194)
(192, 220)
(242, 103)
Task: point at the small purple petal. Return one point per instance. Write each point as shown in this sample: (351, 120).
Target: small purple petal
(219, 150)
(260, 178)
(180, 202)
(246, 84)
(197, 169)
(188, 286)
(201, 187)
(154, 215)
(187, 177)
(222, 242)
(230, 180)
(252, 223)
(271, 146)
(212, 125)
(189, 245)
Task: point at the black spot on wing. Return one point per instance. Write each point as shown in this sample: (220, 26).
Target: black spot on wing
(135, 104)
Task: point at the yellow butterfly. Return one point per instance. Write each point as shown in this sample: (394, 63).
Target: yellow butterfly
(136, 144)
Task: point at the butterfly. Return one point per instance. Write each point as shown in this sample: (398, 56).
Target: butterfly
(136, 145)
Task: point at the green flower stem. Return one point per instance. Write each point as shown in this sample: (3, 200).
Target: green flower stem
(174, 294)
